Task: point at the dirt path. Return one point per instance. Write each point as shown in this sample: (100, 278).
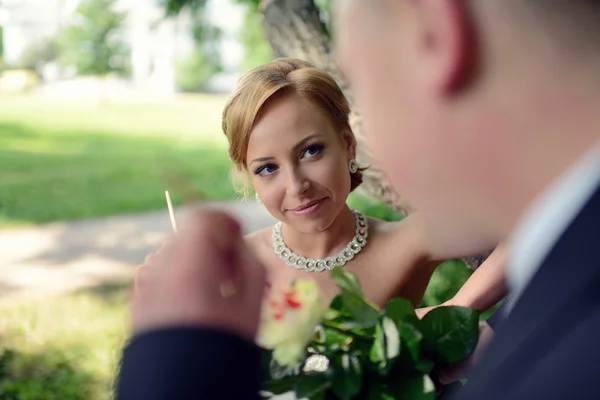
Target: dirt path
(72, 255)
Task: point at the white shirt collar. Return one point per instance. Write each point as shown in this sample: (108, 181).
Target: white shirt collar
(546, 219)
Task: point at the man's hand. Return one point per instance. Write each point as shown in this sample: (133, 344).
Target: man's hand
(205, 277)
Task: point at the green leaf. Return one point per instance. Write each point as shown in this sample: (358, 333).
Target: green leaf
(362, 347)
(415, 387)
(411, 338)
(392, 338)
(380, 393)
(319, 396)
(377, 354)
(331, 314)
(386, 345)
(398, 309)
(335, 339)
(311, 385)
(451, 333)
(424, 365)
(379, 389)
(279, 386)
(364, 313)
(338, 305)
(266, 358)
(277, 371)
(407, 387)
(346, 281)
(336, 309)
(347, 376)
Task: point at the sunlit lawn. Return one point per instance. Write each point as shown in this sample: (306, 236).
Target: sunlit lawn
(68, 160)
(62, 347)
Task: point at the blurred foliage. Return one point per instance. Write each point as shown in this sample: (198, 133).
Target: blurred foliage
(91, 43)
(193, 71)
(174, 7)
(251, 35)
(1, 45)
(371, 207)
(204, 61)
(39, 53)
(257, 48)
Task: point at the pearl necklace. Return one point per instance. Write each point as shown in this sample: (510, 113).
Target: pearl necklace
(321, 264)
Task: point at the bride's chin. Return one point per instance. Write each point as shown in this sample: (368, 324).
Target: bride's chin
(310, 226)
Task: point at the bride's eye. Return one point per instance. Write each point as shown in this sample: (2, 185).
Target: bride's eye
(265, 170)
(312, 150)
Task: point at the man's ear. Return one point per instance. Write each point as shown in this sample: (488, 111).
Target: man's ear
(447, 39)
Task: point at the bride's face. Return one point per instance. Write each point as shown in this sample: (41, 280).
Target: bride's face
(298, 163)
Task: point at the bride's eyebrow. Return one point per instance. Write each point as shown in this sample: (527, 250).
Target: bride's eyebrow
(306, 139)
(295, 148)
(261, 160)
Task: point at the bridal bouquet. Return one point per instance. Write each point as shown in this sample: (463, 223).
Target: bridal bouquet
(353, 349)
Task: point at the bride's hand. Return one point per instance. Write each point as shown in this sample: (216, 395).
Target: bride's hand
(421, 312)
(204, 277)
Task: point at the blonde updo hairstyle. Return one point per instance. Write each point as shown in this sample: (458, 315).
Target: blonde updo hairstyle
(263, 84)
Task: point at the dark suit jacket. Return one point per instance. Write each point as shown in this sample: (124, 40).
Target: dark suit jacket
(186, 364)
(549, 345)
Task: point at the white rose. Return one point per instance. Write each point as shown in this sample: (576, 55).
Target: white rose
(289, 318)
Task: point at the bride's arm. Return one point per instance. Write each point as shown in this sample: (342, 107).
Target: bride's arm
(485, 288)
(487, 285)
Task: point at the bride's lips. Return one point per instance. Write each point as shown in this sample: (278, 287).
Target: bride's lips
(308, 208)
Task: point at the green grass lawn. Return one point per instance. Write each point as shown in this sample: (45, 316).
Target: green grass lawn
(63, 347)
(69, 160)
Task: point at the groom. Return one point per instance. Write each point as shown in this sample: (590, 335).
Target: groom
(485, 115)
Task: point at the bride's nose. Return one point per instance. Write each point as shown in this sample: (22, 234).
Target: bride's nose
(297, 183)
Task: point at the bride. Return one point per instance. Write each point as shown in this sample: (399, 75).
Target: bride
(287, 125)
(289, 135)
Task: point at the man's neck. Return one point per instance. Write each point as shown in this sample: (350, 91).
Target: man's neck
(546, 140)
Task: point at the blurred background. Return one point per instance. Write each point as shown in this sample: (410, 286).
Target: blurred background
(104, 105)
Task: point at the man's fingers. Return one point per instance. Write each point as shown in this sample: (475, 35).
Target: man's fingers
(141, 277)
(210, 239)
(251, 276)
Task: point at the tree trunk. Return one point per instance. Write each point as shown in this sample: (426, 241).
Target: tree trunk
(294, 29)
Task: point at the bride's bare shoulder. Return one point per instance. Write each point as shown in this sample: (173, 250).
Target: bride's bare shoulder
(407, 230)
(259, 239)
(380, 226)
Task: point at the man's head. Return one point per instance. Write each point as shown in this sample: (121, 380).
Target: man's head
(473, 107)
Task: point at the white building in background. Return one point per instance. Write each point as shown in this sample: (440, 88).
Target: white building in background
(156, 43)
